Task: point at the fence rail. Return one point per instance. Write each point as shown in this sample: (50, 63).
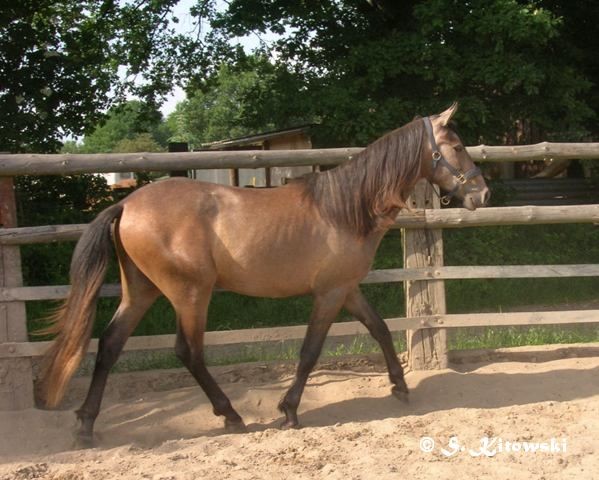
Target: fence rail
(427, 275)
(417, 218)
(342, 329)
(388, 275)
(69, 164)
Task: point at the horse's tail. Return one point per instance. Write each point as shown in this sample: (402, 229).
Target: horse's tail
(73, 321)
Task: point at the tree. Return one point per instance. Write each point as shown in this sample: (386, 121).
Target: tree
(126, 122)
(359, 66)
(63, 63)
(142, 142)
(249, 97)
(579, 35)
(368, 66)
(55, 200)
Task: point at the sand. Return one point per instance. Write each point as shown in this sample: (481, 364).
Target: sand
(352, 427)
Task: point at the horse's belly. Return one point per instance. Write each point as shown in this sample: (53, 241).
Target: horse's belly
(277, 276)
(264, 282)
(265, 291)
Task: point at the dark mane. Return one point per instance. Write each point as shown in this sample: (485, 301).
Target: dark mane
(374, 183)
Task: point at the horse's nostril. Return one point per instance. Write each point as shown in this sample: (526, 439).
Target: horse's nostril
(486, 196)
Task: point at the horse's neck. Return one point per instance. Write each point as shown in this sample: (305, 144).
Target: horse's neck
(385, 221)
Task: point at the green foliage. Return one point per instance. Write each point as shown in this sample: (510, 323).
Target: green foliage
(367, 67)
(358, 67)
(252, 96)
(70, 146)
(128, 126)
(522, 245)
(62, 63)
(55, 200)
(142, 142)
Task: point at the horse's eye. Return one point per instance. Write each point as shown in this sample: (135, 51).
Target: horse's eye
(458, 148)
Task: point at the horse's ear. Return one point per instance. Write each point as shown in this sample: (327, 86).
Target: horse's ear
(445, 117)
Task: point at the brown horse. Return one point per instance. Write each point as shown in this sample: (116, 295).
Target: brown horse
(317, 235)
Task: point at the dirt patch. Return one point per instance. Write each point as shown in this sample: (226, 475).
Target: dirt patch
(353, 427)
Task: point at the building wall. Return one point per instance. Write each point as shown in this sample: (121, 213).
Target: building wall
(113, 178)
(291, 142)
(257, 177)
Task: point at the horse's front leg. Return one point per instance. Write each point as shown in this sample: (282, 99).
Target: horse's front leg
(359, 307)
(325, 309)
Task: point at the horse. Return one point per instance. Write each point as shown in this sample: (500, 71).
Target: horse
(318, 235)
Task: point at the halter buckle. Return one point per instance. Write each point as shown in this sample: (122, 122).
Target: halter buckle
(461, 178)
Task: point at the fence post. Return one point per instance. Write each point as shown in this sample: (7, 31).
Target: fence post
(422, 248)
(16, 376)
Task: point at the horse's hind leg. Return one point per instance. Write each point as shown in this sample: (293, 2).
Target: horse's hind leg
(358, 306)
(138, 295)
(191, 325)
(324, 311)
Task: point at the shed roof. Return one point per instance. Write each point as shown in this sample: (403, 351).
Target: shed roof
(255, 139)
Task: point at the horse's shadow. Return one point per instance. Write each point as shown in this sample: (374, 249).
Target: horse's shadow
(442, 392)
(453, 389)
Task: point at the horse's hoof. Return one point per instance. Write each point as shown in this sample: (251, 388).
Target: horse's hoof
(235, 426)
(290, 425)
(401, 394)
(84, 441)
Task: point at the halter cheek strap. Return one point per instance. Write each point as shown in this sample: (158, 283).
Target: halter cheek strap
(438, 158)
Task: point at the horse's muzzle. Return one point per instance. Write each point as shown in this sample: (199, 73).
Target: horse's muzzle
(477, 199)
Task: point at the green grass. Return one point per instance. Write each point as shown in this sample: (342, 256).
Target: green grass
(504, 337)
(499, 295)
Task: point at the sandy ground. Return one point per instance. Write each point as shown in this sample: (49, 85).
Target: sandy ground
(352, 427)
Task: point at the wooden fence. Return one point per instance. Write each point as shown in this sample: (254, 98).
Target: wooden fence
(423, 274)
(550, 191)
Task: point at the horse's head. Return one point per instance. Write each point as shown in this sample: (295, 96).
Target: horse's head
(447, 163)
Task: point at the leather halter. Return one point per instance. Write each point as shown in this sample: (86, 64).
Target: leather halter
(438, 157)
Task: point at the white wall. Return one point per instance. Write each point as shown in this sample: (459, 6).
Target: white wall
(112, 178)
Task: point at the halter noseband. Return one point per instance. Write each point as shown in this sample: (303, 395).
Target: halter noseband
(439, 158)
